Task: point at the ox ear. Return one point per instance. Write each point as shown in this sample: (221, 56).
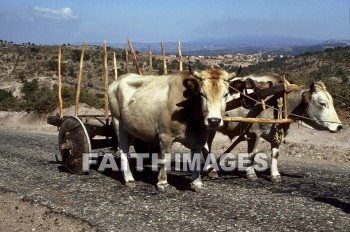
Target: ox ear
(191, 85)
(307, 97)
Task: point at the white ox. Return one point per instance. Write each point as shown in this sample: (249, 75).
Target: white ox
(314, 103)
(181, 108)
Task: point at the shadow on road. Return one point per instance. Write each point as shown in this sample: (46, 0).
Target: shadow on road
(335, 202)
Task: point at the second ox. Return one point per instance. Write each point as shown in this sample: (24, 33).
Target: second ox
(181, 108)
(312, 107)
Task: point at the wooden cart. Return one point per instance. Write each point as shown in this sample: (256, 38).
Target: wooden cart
(81, 134)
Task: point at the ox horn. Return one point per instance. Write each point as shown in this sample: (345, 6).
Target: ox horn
(195, 73)
(312, 88)
(234, 74)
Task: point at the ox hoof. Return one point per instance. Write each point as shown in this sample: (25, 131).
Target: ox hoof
(163, 187)
(213, 175)
(197, 188)
(130, 184)
(210, 175)
(276, 179)
(252, 177)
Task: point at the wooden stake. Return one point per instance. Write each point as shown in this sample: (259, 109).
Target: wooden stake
(285, 106)
(106, 81)
(165, 69)
(115, 67)
(263, 104)
(60, 110)
(292, 87)
(150, 68)
(79, 81)
(180, 56)
(134, 58)
(126, 60)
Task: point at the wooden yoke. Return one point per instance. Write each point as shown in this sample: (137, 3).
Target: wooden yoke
(262, 90)
(277, 89)
(258, 120)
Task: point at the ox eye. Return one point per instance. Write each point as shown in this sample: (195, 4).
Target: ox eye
(225, 95)
(323, 104)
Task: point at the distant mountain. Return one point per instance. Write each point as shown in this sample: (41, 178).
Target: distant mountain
(256, 41)
(240, 44)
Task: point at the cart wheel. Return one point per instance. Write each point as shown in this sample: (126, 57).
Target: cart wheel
(73, 141)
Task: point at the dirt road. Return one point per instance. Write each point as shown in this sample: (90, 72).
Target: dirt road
(314, 195)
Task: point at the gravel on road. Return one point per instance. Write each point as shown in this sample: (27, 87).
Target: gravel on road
(314, 195)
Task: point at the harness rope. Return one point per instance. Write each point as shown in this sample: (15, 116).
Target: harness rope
(299, 116)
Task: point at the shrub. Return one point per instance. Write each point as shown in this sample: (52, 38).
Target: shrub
(29, 88)
(43, 101)
(11, 103)
(52, 65)
(4, 94)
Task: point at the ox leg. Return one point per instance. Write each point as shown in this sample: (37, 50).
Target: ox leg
(253, 140)
(196, 184)
(209, 170)
(275, 175)
(165, 148)
(125, 141)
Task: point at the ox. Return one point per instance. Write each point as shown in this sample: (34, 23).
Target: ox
(312, 107)
(181, 108)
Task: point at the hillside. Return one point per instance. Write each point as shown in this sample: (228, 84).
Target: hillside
(28, 73)
(330, 66)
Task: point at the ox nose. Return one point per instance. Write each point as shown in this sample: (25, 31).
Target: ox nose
(214, 122)
(339, 127)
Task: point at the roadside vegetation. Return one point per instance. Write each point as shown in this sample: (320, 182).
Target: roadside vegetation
(43, 100)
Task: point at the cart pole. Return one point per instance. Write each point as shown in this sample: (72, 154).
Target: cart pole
(165, 69)
(79, 81)
(106, 81)
(285, 109)
(180, 56)
(115, 67)
(60, 84)
(134, 57)
(150, 68)
(126, 60)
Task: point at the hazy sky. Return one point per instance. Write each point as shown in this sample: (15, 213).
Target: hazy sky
(64, 21)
